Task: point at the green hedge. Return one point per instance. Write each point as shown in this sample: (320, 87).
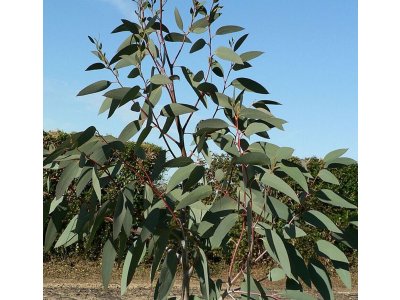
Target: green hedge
(348, 177)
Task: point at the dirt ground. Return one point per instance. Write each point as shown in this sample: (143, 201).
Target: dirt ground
(71, 279)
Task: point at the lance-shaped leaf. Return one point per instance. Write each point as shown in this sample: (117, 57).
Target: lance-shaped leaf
(119, 215)
(177, 109)
(228, 54)
(228, 29)
(253, 289)
(240, 41)
(54, 204)
(198, 45)
(159, 249)
(118, 93)
(334, 154)
(278, 209)
(95, 87)
(180, 175)
(105, 105)
(256, 127)
(107, 264)
(320, 279)
(318, 219)
(150, 224)
(176, 37)
(200, 25)
(246, 56)
(339, 162)
(222, 229)
(296, 175)
(167, 276)
(277, 183)
(249, 84)
(197, 194)
(68, 234)
(193, 178)
(327, 176)
(201, 268)
(132, 260)
(207, 87)
(210, 125)
(130, 130)
(338, 258)
(275, 246)
(95, 66)
(330, 197)
(96, 184)
(291, 231)
(160, 79)
(69, 174)
(178, 162)
(252, 158)
(178, 19)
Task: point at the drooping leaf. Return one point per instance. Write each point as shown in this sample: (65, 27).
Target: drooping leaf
(108, 258)
(95, 66)
(150, 224)
(228, 29)
(275, 246)
(222, 229)
(207, 87)
(327, 176)
(249, 84)
(119, 215)
(318, 219)
(178, 162)
(159, 248)
(330, 197)
(96, 184)
(68, 234)
(338, 258)
(334, 154)
(210, 125)
(296, 175)
(228, 54)
(105, 105)
(277, 183)
(176, 37)
(69, 173)
(178, 19)
(246, 56)
(180, 175)
(201, 268)
(198, 45)
(167, 276)
(320, 279)
(278, 208)
(252, 158)
(197, 194)
(95, 87)
(131, 262)
(177, 109)
(130, 130)
(292, 231)
(160, 79)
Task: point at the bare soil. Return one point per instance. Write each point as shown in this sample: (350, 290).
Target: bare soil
(78, 279)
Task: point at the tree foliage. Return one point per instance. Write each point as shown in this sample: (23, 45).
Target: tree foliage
(181, 223)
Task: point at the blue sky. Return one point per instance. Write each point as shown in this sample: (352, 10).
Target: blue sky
(309, 65)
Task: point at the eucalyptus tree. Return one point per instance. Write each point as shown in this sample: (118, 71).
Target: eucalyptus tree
(218, 110)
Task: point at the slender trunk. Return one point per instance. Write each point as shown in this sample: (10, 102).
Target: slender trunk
(185, 272)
